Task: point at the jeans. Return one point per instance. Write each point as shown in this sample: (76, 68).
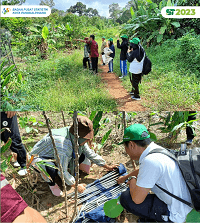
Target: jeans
(110, 64)
(135, 80)
(152, 208)
(123, 67)
(16, 146)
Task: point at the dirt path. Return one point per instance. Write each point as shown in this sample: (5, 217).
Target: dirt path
(118, 92)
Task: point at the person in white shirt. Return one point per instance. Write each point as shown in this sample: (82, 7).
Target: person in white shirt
(153, 169)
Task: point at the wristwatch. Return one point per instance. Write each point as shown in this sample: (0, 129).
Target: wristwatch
(131, 177)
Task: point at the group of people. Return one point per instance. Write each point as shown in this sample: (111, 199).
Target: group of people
(130, 51)
(154, 169)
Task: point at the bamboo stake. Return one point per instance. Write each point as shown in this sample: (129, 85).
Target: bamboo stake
(59, 164)
(76, 162)
(124, 119)
(63, 118)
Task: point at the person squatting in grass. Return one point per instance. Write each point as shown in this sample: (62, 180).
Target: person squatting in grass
(135, 56)
(123, 57)
(153, 169)
(112, 55)
(14, 208)
(9, 122)
(93, 52)
(64, 140)
(104, 44)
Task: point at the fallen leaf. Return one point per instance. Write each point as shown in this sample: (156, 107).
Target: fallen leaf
(41, 192)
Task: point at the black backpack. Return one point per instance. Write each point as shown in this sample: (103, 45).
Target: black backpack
(146, 66)
(189, 164)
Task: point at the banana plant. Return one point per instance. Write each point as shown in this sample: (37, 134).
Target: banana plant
(42, 34)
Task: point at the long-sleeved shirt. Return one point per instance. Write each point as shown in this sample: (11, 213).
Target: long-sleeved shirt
(124, 48)
(64, 144)
(113, 51)
(103, 46)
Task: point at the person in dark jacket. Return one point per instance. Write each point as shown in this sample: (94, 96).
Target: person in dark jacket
(123, 58)
(111, 46)
(135, 56)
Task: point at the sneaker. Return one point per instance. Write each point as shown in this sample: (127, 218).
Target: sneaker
(134, 98)
(56, 190)
(16, 164)
(22, 172)
(132, 93)
(189, 141)
(109, 72)
(121, 77)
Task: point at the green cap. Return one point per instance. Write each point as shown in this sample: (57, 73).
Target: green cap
(135, 40)
(135, 132)
(124, 36)
(110, 39)
(103, 37)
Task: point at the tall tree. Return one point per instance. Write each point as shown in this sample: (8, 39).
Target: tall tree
(49, 3)
(13, 2)
(115, 11)
(78, 8)
(91, 12)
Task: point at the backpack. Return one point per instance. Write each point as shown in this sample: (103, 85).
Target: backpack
(146, 66)
(189, 164)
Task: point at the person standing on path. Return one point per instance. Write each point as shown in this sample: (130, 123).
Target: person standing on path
(102, 49)
(112, 55)
(123, 57)
(9, 121)
(93, 52)
(86, 58)
(135, 56)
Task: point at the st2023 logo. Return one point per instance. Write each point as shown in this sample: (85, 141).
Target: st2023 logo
(180, 12)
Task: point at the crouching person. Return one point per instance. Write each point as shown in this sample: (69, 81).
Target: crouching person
(64, 140)
(154, 169)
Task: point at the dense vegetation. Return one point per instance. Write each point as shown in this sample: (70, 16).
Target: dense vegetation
(49, 60)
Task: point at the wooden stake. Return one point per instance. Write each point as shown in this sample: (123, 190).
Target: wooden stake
(63, 118)
(59, 164)
(76, 162)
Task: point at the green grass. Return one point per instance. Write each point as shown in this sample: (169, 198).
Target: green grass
(61, 83)
(170, 85)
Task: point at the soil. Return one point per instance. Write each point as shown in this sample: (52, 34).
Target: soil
(118, 92)
(39, 195)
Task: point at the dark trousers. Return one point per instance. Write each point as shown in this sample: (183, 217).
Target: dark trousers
(85, 61)
(152, 208)
(94, 64)
(135, 80)
(16, 145)
(189, 130)
(53, 172)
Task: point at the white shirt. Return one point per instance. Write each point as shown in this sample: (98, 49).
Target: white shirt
(136, 67)
(160, 169)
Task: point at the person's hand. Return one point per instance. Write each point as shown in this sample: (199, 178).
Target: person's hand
(81, 188)
(118, 38)
(10, 114)
(112, 167)
(121, 179)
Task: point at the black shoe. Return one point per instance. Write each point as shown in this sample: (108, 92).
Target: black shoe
(109, 72)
